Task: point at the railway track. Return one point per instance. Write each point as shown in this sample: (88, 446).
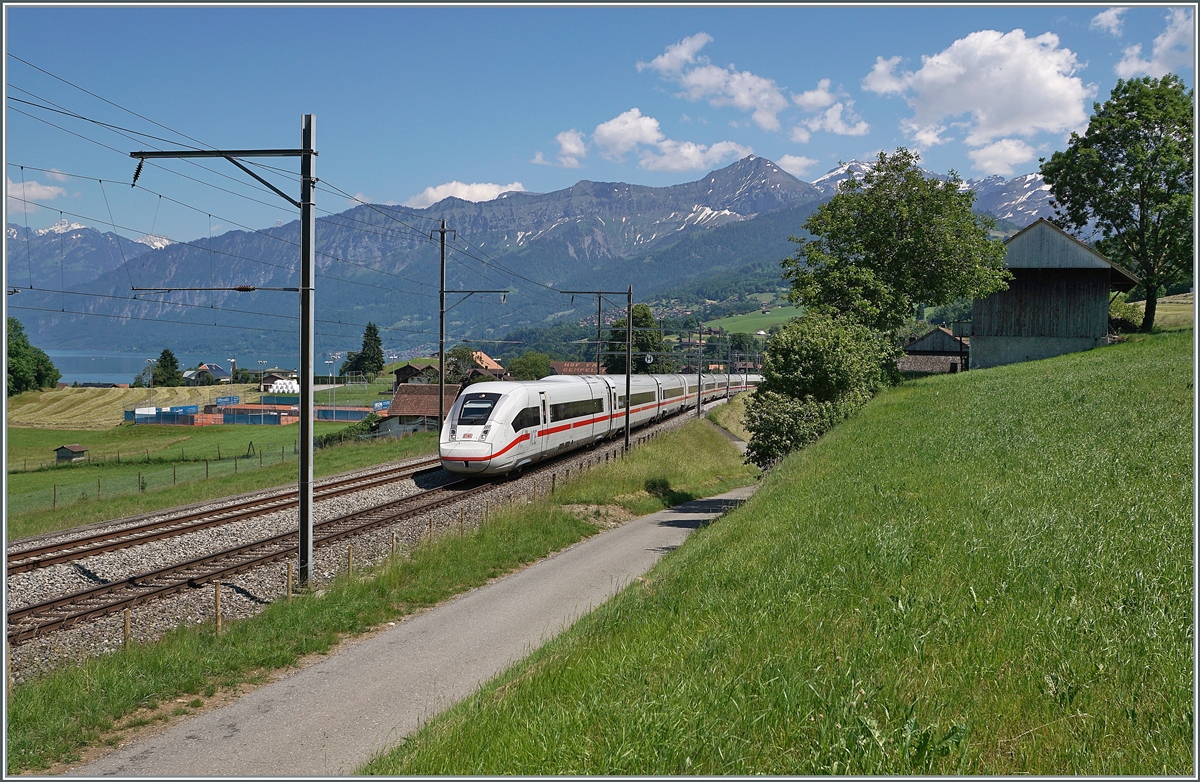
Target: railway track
(113, 540)
(104, 599)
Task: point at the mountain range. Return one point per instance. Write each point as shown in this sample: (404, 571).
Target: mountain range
(378, 263)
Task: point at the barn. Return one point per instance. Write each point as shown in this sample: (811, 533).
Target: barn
(937, 351)
(1056, 302)
(414, 408)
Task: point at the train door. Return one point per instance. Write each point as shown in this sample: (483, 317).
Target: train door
(545, 413)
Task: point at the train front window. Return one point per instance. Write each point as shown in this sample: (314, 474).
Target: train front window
(477, 409)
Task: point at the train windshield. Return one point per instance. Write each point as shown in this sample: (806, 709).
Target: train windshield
(477, 409)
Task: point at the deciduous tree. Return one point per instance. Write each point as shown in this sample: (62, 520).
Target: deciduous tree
(645, 340)
(892, 240)
(1130, 174)
(531, 365)
(29, 367)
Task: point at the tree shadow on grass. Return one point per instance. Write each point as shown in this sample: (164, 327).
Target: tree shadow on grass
(661, 488)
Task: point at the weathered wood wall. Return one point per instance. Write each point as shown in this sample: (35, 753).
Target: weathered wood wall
(1046, 303)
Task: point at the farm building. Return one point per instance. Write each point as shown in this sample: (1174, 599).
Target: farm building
(414, 373)
(70, 453)
(414, 408)
(573, 368)
(1056, 302)
(937, 351)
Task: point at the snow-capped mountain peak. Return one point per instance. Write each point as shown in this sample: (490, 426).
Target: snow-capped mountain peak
(154, 242)
(61, 227)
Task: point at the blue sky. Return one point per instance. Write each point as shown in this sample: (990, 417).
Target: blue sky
(415, 103)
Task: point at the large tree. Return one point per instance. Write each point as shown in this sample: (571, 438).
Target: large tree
(29, 368)
(166, 370)
(647, 339)
(1130, 175)
(531, 365)
(892, 240)
(369, 360)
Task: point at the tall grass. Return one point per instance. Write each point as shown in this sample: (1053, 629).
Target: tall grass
(983, 573)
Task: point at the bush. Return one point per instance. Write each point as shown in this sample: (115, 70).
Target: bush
(1123, 316)
(817, 371)
(369, 425)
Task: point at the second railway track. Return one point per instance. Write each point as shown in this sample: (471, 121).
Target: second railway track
(25, 560)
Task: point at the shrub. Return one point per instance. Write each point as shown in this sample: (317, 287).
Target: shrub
(817, 371)
(1123, 316)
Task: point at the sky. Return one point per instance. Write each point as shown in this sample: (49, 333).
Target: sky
(414, 104)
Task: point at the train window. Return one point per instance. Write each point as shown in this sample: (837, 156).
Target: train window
(638, 399)
(477, 409)
(691, 389)
(709, 386)
(565, 410)
(671, 393)
(526, 418)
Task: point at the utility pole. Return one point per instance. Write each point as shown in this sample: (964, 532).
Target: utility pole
(442, 329)
(699, 366)
(628, 342)
(307, 154)
(599, 325)
(628, 362)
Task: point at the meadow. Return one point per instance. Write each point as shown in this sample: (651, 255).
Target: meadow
(755, 321)
(983, 573)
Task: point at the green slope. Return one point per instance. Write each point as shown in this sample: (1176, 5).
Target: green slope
(985, 573)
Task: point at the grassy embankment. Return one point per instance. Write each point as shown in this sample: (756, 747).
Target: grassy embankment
(731, 417)
(982, 573)
(52, 718)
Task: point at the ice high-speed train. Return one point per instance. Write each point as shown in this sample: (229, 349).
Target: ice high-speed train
(495, 428)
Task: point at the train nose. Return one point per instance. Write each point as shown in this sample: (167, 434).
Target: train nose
(465, 457)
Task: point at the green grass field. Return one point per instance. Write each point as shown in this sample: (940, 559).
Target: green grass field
(731, 417)
(983, 573)
(755, 321)
(177, 465)
(52, 717)
(1174, 312)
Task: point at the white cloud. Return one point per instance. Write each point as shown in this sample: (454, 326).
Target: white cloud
(795, 165)
(678, 54)
(476, 191)
(571, 147)
(816, 99)
(1174, 49)
(882, 80)
(689, 156)
(1109, 20)
(631, 129)
(719, 86)
(30, 191)
(800, 134)
(1004, 83)
(625, 132)
(1001, 157)
(832, 121)
(57, 175)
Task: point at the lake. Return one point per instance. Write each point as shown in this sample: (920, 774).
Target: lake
(95, 366)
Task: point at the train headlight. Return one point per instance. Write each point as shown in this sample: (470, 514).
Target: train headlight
(453, 433)
(483, 435)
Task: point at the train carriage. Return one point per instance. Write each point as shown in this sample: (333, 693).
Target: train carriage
(494, 428)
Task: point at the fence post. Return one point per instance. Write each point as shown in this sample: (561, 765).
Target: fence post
(174, 474)
(97, 488)
(54, 506)
(127, 627)
(289, 581)
(217, 593)
(235, 465)
(206, 469)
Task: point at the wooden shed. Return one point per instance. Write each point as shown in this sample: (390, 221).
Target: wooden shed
(70, 453)
(1056, 302)
(937, 351)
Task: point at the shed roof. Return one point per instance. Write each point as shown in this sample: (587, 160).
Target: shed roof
(420, 400)
(73, 448)
(1043, 245)
(940, 340)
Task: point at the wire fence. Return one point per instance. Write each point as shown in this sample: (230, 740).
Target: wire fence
(90, 484)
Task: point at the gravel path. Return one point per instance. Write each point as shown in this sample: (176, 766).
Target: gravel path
(248, 593)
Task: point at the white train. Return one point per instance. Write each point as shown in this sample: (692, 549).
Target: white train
(495, 428)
